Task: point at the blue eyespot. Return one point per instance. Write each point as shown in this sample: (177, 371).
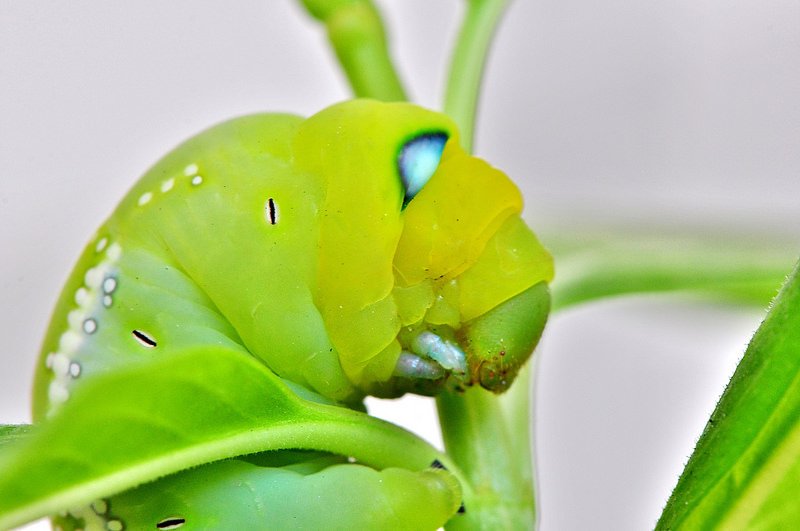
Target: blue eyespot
(418, 161)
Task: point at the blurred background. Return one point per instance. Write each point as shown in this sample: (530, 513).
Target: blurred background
(622, 115)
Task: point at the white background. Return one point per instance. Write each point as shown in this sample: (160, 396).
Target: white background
(670, 113)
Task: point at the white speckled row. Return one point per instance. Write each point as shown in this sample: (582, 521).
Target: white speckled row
(91, 298)
(94, 516)
(96, 293)
(168, 184)
(192, 171)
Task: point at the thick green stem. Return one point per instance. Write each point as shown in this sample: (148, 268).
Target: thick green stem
(478, 439)
(742, 269)
(517, 411)
(358, 37)
(466, 67)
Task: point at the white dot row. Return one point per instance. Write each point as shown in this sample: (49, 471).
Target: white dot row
(189, 171)
(97, 281)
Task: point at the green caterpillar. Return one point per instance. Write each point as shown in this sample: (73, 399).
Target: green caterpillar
(359, 251)
(353, 253)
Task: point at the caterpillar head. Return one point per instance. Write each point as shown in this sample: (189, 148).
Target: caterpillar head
(427, 275)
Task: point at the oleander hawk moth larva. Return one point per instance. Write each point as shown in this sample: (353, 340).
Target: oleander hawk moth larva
(358, 252)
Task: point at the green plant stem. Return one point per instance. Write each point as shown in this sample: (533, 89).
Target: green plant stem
(357, 34)
(516, 407)
(467, 63)
(741, 269)
(477, 438)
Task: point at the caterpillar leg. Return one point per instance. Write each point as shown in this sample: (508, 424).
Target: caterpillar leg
(313, 494)
(433, 358)
(488, 350)
(411, 365)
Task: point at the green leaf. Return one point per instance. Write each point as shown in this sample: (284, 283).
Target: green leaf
(133, 426)
(742, 270)
(745, 470)
(11, 433)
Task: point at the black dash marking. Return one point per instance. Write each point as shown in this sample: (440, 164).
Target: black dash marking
(462, 509)
(273, 211)
(173, 522)
(144, 339)
(438, 464)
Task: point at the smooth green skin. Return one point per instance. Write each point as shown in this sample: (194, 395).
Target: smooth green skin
(194, 259)
(745, 470)
(301, 496)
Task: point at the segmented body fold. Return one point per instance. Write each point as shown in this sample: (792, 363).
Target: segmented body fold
(360, 251)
